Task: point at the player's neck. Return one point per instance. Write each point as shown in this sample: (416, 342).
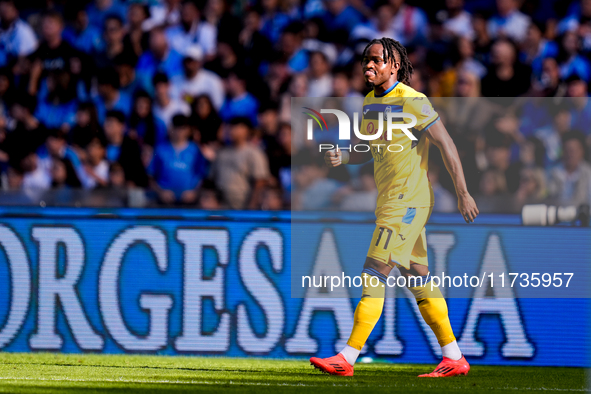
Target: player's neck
(384, 89)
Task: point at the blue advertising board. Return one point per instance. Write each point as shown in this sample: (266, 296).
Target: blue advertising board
(185, 282)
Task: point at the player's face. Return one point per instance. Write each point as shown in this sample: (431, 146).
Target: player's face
(376, 69)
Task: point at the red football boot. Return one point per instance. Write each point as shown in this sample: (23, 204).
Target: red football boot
(449, 367)
(336, 365)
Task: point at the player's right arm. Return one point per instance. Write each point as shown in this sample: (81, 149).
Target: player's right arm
(336, 157)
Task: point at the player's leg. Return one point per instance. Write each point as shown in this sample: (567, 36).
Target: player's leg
(434, 310)
(368, 311)
(367, 314)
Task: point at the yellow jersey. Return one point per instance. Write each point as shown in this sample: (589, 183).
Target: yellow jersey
(401, 164)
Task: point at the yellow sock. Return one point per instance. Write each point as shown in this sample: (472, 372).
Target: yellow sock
(433, 308)
(369, 309)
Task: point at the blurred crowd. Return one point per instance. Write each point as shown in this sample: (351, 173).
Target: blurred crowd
(187, 102)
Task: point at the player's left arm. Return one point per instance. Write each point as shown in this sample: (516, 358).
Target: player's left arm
(439, 136)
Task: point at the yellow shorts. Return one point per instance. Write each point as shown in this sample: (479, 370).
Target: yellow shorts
(400, 236)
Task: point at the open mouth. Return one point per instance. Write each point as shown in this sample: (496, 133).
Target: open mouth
(370, 73)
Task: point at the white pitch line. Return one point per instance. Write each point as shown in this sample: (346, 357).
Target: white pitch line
(203, 382)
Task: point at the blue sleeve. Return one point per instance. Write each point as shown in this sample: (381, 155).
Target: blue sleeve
(41, 113)
(144, 72)
(70, 118)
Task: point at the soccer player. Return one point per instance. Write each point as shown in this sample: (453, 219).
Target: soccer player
(404, 204)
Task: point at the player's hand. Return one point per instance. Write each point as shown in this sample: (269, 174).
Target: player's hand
(467, 207)
(333, 158)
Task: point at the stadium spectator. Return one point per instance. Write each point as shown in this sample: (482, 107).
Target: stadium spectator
(54, 149)
(116, 177)
(363, 196)
(197, 81)
(110, 97)
(571, 62)
(81, 34)
(551, 134)
(340, 15)
(410, 23)
(87, 127)
(165, 13)
(241, 170)
(165, 107)
(137, 40)
(206, 121)
(493, 195)
(382, 25)
(320, 78)
(63, 174)
(178, 166)
(291, 50)
(341, 84)
(219, 14)
(100, 10)
(313, 189)
(17, 38)
(14, 181)
(506, 77)
(532, 188)
(549, 83)
(573, 21)
(239, 103)
(192, 31)
(298, 87)
(466, 62)
(113, 35)
(456, 21)
(536, 48)
(226, 60)
(125, 67)
(509, 22)
(57, 109)
(54, 55)
(96, 168)
(124, 150)
(277, 141)
(570, 182)
(482, 40)
(36, 178)
(257, 47)
(158, 58)
(577, 90)
(272, 199)
(274, 21)
(498, 155)
(144, 126)
(25, 133)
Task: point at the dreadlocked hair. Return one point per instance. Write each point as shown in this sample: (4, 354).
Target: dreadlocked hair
(394, 51)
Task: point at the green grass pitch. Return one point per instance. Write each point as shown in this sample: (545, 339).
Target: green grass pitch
(60, 373)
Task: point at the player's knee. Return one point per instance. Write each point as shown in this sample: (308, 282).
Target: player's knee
(377, 265)
(414, 270)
